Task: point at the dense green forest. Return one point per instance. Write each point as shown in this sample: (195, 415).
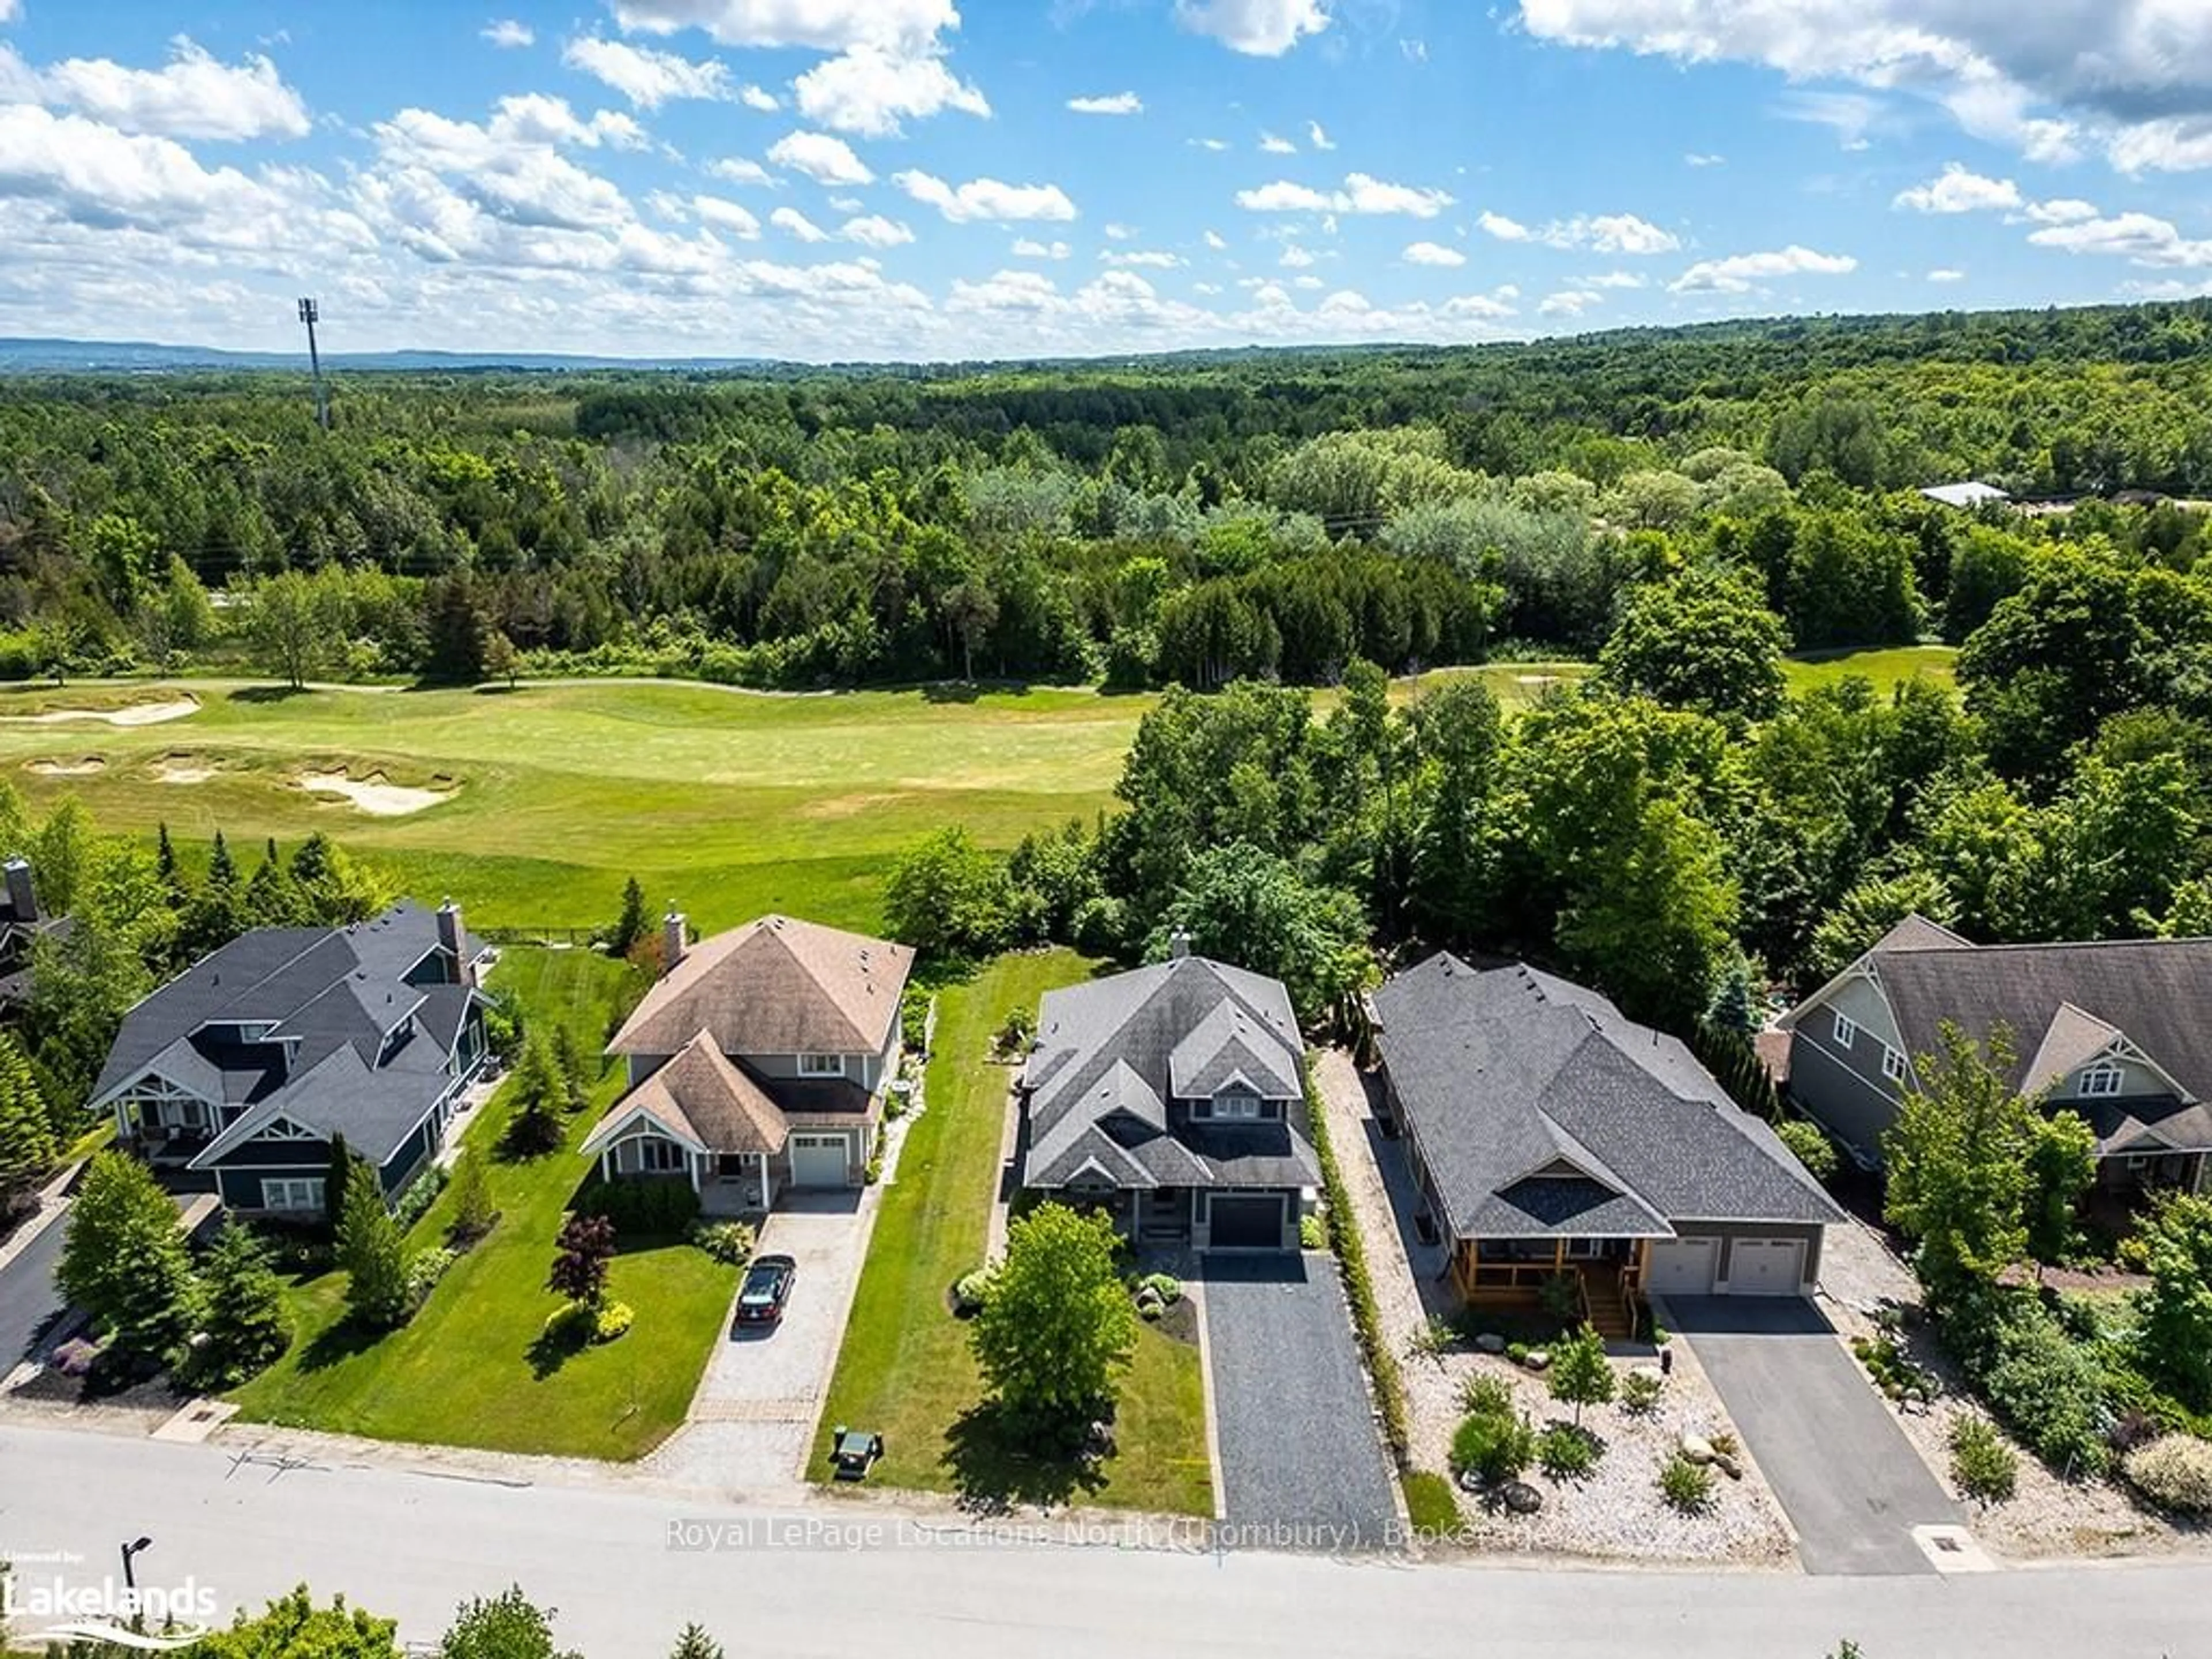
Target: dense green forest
(1184, 520)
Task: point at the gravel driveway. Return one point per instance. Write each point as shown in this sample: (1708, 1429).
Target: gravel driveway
(1301, 1465)
(752, 1420)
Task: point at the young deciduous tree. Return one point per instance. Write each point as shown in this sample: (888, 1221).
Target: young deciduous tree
(473, 1215)
(373, 1254)
(587, 1244)
(246, 1325)
(1700, 639)
(125, 1261)
(575, 1070)
(1957, 1159)
(508, 1626)
(1581, 1374)
(2062, 1165)
(1058, 1328)
(948, 897)
(2175, 1333)
(296, 1628)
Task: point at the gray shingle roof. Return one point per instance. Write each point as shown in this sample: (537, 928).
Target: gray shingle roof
(1540, 1109)
(2053, 998)
(1114, 1054)
(330, 999)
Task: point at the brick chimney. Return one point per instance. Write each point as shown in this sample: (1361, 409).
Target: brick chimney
(671, 941)
(23, 894)
(1179, 944)
(453, 940)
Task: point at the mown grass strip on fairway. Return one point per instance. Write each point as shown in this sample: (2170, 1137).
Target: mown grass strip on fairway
(906, 1369)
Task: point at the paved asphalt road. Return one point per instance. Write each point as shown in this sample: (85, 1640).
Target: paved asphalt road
(411, 1545)
(1851, 1482)
(27, 1296)
(1297, 1442)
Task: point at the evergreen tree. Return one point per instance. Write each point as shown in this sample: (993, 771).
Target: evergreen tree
(574, 1069)
(165, 865)
(473, 1215)
(541, 1099)
(630, 926)
(695, 1644)
(124, 1259)
(246, 1325)
(272, 898)
(373, 1254)
(28, 1149)
(336, 1176)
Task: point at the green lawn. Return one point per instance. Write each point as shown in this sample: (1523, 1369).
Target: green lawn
(463, 1372)
(906, 1369)
(727, 802)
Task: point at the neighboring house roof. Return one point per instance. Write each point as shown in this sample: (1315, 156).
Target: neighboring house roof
(304, 1024)
(700, 1097)
(1969, 494)
(1115, 1055)
(775, 987)
(2065, 1004)
(1541, 1109)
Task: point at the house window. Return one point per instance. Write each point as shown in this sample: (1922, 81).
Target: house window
(2104, 1080)
(657, 1157)
(1892, 1065)
(1234, 1103)
(822, 1065)
(298, 1194)
(1847, 1030)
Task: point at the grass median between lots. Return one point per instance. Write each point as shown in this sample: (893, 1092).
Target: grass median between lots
(906, 1369)
(469, 1370)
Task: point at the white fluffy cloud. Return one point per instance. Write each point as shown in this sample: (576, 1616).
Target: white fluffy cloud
(1113, 103)
(986, 198)
(1317, 137)
(2133, 77)
(873, 230)
(1599, 232)
(1259, 28)
(1946, 274)
(1569, 302)
(2061, 211)
(1272, 145)
(1028, 247)
(741, 170)
(1504, 229)
(2139, 238)
(648, 79)
(1742, 272)
(1144, 258)
(825, 159)
(759, 98)
(798, 224)
(1433, 253)
(1361, 194)
(816, 25)
(1958, 190)
(508, 33)
(192, 96)
(871, 91)
(725, 215)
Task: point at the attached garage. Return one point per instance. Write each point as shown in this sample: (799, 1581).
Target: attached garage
(1766, 1267)
(1684, 1266)
(821, 1160)
(1245, 1221)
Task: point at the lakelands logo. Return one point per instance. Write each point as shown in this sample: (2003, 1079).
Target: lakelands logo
(151, 1618)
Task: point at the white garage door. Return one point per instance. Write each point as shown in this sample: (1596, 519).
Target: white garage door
(1766, 1267)
(817, 1160)
(1684, 1266)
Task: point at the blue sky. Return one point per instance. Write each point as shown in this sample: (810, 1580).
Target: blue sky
(915, 178)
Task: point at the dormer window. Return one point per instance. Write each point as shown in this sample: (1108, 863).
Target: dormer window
(822, 1065)
(1847, 1030)
(1235, 1103)
(2102, 1079)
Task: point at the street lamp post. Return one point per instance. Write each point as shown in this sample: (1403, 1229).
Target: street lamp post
(130, 1552)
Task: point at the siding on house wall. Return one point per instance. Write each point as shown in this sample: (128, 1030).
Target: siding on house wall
(871, 1072)
(2137, 1081)
(1810, 1234)
(241, 1188)
(409, 1157)
(1856, 1106)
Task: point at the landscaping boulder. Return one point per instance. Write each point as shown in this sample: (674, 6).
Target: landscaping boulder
(1490, 1342)
(1539, 1359)
(1696, 1449)
(1521, 1498)
(1730, 1466)
(1470, 1481)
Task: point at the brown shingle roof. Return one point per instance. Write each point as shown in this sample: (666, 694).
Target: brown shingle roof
(775, 987)
(700, 1094)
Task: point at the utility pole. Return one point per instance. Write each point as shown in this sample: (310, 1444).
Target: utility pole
(309, 313)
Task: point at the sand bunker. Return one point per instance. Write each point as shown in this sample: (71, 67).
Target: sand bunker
(1536, 679)
(132, 714)
(184, 769)
(83, 768)
(375, 795)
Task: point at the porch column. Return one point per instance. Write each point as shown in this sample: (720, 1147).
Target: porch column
(606, 1169)
(691, 1162)
(761, 1158)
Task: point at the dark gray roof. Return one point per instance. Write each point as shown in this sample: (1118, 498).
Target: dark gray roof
(1113, 1056)
(298, 1021)
(1540, 1109)
(2156, 993)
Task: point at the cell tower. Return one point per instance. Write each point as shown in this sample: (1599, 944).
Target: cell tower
(308, 313)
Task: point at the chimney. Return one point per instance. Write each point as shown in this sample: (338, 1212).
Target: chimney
(22, 895)
(453, 940)
(1179, 944)
(671, 941)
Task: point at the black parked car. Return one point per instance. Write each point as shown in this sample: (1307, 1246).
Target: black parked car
(766, 1288)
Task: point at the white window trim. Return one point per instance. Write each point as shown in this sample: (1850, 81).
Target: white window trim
(1846, 1030)
(1234, 1106)
(653, 1147)
(822, 1065)
(1893, 1065)
(278, 1194)
(2101, 1081)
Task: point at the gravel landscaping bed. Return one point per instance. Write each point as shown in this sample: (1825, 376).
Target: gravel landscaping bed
(2046, 1517)
(1618, 1512)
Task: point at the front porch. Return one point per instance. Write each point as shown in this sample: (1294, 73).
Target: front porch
(1513, 1275)
(729, 1184)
